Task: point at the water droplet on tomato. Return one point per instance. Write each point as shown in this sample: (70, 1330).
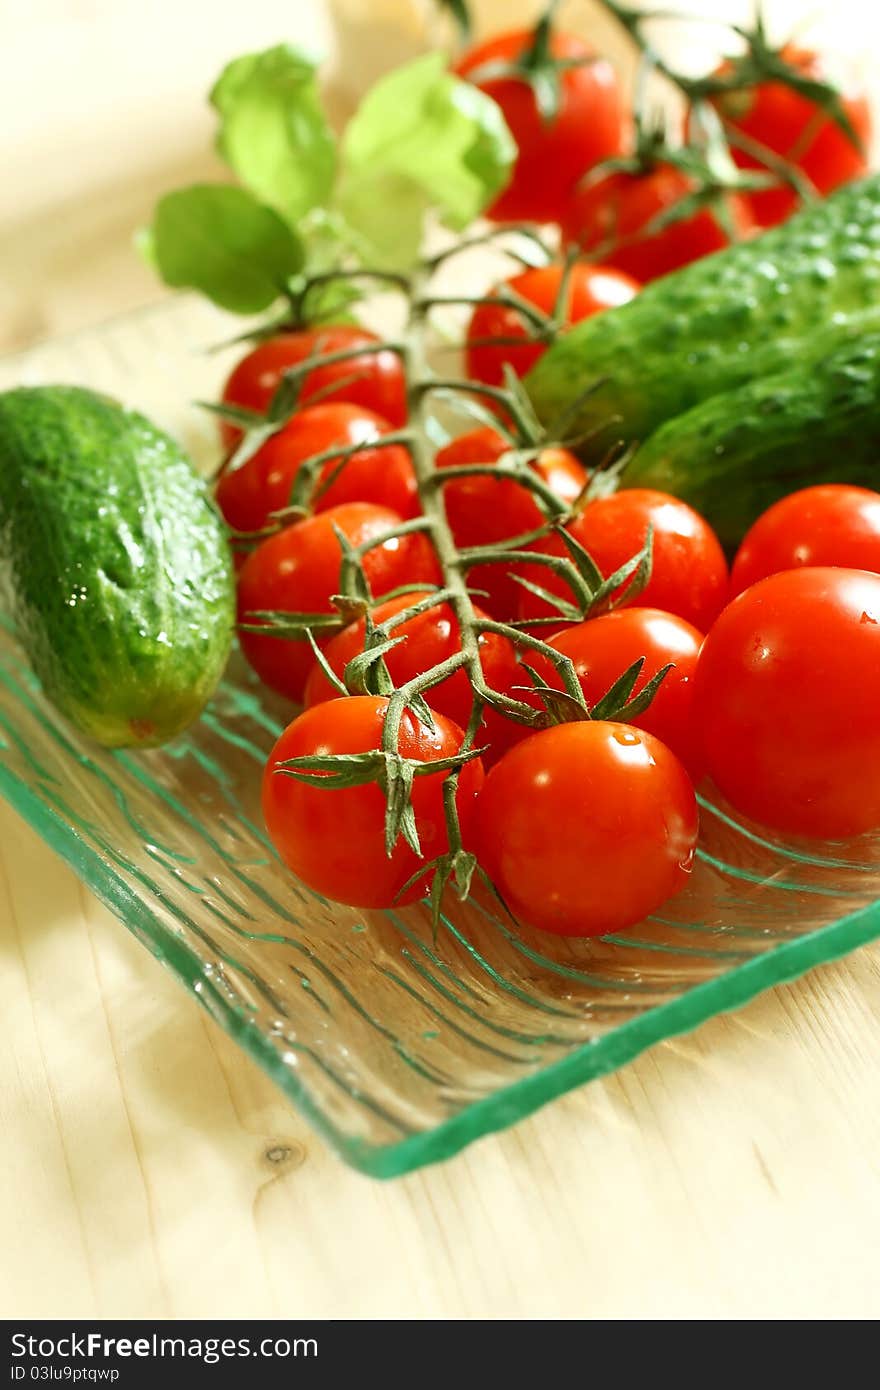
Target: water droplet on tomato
(626, 736)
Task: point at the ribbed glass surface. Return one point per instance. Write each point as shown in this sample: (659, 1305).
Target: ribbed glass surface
(399, 1048)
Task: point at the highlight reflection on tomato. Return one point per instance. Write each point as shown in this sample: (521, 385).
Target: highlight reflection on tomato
(586, 828)
(786, 695)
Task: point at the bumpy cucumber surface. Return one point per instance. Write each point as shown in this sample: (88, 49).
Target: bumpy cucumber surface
(756, 308)
(116, 569)
(735, 454)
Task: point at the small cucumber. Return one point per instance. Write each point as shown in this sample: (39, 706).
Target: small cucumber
(735, 454)
(116, 569)
(754, 309)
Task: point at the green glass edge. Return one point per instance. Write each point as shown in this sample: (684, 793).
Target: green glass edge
(591, 1060)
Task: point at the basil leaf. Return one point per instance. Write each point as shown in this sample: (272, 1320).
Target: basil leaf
(221, 241)
(420, 139)
(273, 131)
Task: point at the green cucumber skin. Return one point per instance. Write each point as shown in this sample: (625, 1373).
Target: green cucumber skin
(116, 567)
(735, 454)
(751, 310)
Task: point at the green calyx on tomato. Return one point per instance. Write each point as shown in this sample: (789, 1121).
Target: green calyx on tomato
(663, 206)
(557, 864)
(562, 103)
(363, 824)
(783, 114)
(794, 68)
(374, 592)
(539, 62)
(359, 550)
(286, 371)
(516, 322)
(658, 654)
(497, 492)
(358, 467)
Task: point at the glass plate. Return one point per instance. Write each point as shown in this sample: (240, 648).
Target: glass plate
(399, 1049)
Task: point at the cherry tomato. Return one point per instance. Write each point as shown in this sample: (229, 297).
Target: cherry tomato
(374, 380)
(785, 701)
(590, 125)
(297, 570)
(586, 828)
(483, 511)
(791, 125)
(832, 524)
(689, 571)
(610, 219)
(590, 289)
(429, 638)
(603, 648)
(248, 495)
(334, 839)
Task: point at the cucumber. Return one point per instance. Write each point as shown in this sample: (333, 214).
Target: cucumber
(733, 455)
(115, 565)
(756, 308)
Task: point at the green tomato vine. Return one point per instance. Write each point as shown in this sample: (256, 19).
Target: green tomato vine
(590, 592)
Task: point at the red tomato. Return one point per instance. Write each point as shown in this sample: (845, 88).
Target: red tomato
(586, 828)
(374, 381)
(297, 571)
(334, 839)
(611, 220)
(482, 511)
(832, 524)
(249, 494)
(429, 638)
(786, 695)
(591, 288)
(603, 648)
(791, 125)
(689, 574)
(591, 124)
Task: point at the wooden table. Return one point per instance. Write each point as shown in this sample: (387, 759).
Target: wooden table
(148, 1169)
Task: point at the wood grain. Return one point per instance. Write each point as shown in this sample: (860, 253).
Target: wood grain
(148, 1169)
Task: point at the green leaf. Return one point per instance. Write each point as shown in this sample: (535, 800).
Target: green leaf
(221, 241)
(273, 131)
(420, 139)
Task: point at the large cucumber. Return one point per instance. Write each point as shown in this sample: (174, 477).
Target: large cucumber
(115, 564)
(733, 455)
(783, 299)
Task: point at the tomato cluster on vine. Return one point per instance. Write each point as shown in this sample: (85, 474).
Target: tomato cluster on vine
(508, 666)
(296, 569)
(620, 191)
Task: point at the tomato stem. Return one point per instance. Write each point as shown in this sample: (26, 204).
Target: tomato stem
(761, 62)
(367, 670)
